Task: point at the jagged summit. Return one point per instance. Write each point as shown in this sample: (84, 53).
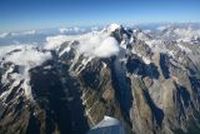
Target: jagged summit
(113, 27)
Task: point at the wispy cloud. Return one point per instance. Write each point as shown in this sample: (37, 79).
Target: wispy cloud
(71, 29)
(31, 32)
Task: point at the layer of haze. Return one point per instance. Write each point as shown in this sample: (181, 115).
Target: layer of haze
(18, 15)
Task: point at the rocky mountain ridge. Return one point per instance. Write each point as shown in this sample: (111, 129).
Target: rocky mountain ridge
(149, 81)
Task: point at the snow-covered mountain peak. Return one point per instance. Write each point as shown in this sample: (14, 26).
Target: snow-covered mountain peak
(113, 27)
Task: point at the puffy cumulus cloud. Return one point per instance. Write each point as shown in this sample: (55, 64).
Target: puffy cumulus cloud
(52, 42)
(28, 56)
(108, 47)
(99, 46)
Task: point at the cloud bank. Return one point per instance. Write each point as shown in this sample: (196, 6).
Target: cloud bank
(95, 44)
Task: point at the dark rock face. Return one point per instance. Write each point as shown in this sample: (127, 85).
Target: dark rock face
(121, 85)
(138, 67)
(60, 101)
(164, 65)
(150, 88)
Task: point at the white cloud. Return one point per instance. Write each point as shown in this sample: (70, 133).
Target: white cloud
(52, 42)
(99, 47)
(6, 49)
(71, 29)
(28, 56)
(76, 29)
(95, 44)
(3, 35)
(113, 27)
(163, 27)
(108, 47)
(63, 30)
(31, 32)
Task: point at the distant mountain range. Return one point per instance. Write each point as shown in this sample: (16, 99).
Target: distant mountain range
(147, 80)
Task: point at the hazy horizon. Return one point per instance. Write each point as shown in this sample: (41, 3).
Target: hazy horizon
(19, 15)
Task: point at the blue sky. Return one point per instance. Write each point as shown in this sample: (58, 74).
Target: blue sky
(18, 15)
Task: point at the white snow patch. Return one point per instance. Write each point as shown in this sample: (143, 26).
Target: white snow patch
(48, 67)
(141, 36)
(82, 66)
(66, 50)
(4, 77)
(185, 49)
(171, 53)
(183, 34)
(146, 60)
